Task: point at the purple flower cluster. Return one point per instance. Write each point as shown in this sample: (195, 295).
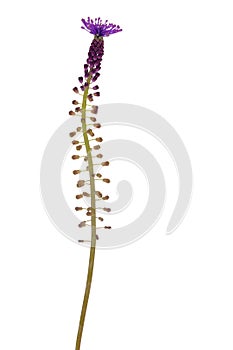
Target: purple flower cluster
(93, 65)
(99, 28)
(95, 56)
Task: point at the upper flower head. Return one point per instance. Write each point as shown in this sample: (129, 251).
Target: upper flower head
(100, 29)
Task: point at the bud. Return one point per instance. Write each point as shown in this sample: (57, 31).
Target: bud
(107, 209)
(96, 93)
(105, 163)
(75, 172)
(96, 76)
(78, 208)
(105, 198)
(94, 109)
(98, 194)
(96, 147)
(74, 102)
(99, 139)
(78, 147)
(108, 227)
(90, 97)
(106, 180)
(79, 196)
(72, 134)
(71, 113)
(90, 132)
(75, 142)
(100, 219)
(99, 155)
(82, 224)
(75, 156)
(93, 119)
(98, 175)
(80, 183)
(75, 89)
(86, 194)
(77, 109)
(80, 79)
(97, 125)
(79, 128)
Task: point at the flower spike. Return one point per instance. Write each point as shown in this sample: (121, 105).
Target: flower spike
(84, 140)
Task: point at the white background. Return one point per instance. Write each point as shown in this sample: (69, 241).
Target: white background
(162, 292)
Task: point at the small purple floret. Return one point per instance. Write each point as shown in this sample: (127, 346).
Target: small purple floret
(99, 28)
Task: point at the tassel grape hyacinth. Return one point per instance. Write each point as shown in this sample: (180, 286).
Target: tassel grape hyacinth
(87, 91)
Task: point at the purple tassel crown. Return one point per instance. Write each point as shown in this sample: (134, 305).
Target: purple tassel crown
(99, 28)
(95, 56)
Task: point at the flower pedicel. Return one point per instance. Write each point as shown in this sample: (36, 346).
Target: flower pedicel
(88, 90)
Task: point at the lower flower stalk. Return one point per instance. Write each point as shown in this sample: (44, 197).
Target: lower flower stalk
(93, 221)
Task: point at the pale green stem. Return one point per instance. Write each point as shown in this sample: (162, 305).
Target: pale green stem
(93, 220)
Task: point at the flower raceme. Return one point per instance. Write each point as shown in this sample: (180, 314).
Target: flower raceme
(95, 55)
(88, 148)
(89, 90)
